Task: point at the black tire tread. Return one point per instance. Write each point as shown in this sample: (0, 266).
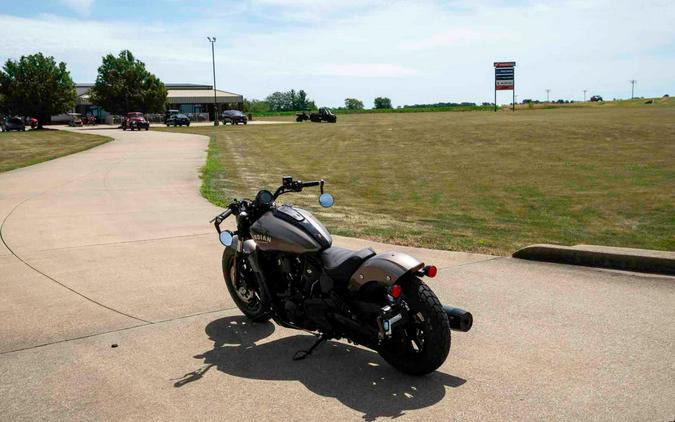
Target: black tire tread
(436, 351)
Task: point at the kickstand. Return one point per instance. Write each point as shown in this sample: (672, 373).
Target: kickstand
(302, 354)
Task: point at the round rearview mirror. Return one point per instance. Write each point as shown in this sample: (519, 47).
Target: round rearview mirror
(226, 237)
(326, 200)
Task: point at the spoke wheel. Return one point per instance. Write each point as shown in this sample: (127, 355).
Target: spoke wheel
(241, 284)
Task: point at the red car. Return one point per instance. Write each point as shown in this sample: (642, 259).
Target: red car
(135, 120)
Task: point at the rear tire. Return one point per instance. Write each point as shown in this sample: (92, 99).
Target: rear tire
(422, 346)
(253, 308)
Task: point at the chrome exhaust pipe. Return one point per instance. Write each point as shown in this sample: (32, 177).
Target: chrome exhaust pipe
(460, 320)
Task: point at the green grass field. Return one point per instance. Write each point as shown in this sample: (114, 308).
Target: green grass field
(20, 149)
(479, 181)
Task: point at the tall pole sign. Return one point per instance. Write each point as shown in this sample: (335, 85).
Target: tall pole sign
(505, 80)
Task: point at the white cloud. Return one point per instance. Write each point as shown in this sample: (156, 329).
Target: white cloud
(83, 7)
(417, 52)
(365, 70)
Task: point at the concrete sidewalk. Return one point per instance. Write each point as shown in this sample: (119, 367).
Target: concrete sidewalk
(112, 246)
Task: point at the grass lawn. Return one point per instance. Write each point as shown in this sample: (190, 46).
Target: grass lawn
(20, 149)
(474, 181)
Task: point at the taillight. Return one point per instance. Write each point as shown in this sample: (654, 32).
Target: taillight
(395, 291)
(430, 271)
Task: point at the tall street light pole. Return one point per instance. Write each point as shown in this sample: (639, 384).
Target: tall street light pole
(584, 95)
(632, 88)
(547, 96)
(215, 101)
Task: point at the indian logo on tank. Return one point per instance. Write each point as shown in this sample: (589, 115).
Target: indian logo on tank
(262, 237)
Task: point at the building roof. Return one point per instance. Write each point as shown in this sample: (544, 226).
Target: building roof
(177, 94)
(198, 96)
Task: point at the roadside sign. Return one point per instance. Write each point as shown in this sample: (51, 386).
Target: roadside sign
(505, 77)
(505, 64)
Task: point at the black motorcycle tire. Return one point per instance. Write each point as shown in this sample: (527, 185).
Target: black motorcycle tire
(255, 313)
(398, 351)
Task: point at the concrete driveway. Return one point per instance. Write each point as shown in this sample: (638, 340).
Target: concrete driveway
(113, 308)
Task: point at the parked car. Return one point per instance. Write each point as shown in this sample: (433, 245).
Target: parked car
(596, 98)
(178, 119)
(169, 113)
(135, 121)
(324, 114)
(12, 123)
(233, 117)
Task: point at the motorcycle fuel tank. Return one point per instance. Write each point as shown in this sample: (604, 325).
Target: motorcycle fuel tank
(292, 230)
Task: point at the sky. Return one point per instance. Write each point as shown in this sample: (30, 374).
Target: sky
(414, 51)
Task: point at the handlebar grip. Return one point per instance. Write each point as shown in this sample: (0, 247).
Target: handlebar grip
(310, 184)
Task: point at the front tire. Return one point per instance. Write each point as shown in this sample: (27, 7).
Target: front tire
(247, 300)
(423, 345)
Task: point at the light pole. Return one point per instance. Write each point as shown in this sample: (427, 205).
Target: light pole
(215, 101)
(632, 88)
(548, 91)
(584, 95)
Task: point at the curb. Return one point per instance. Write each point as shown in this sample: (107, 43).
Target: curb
(626, 259)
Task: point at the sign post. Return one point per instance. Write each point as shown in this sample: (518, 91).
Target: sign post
(505, 80)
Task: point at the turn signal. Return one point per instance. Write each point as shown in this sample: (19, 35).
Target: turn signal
(430, 271)
(395, 291)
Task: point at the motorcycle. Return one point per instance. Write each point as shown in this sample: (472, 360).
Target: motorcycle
(280, 264)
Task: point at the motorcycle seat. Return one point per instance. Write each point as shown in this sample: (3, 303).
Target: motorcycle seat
(341, 263)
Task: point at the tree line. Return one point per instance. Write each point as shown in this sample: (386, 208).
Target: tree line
(298, 101)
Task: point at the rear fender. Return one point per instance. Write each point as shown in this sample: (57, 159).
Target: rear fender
(384, 268)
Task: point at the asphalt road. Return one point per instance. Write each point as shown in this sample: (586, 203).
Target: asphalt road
(113, 308)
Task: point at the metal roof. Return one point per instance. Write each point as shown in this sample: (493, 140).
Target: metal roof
(199, 96)
(177, 94)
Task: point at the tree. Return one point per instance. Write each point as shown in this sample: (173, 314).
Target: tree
(353, 104)
(256, 106)
(302, 102)
(123, 84)
(36, 86)
(289, 101)
(279, 101)
(382, 102)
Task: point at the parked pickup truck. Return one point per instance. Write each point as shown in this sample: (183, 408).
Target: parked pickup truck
(135, 121)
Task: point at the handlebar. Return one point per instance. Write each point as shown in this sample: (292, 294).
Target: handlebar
(220, 218)
(288, 185)
(295, 186)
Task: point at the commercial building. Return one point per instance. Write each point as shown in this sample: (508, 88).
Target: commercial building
(192, 99)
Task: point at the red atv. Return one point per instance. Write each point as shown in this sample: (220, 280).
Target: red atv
(89, 120)
(135, 121)
(32, 122)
